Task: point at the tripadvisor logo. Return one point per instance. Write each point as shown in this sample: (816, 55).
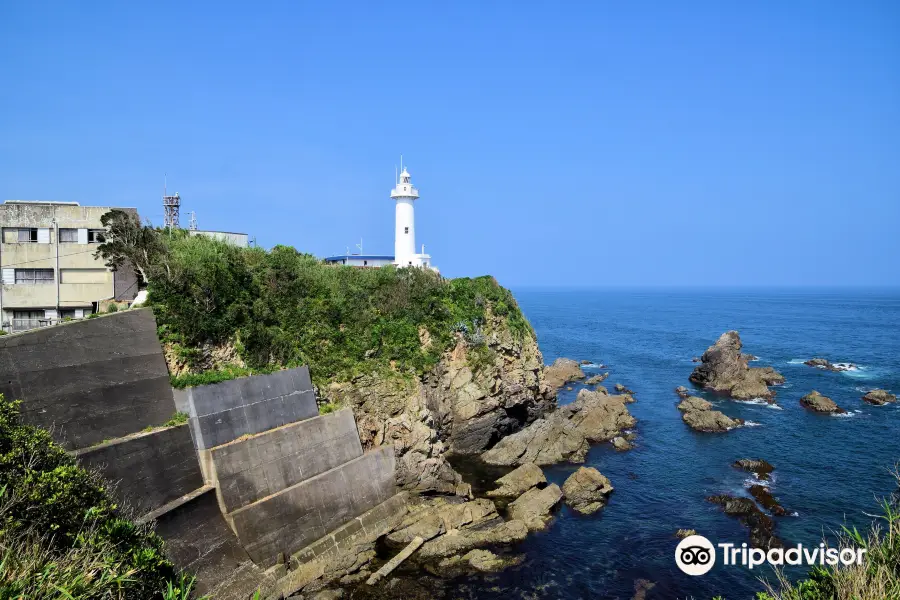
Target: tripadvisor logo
(696, 555)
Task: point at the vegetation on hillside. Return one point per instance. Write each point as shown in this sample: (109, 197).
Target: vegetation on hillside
(283, 308)
(61, 533)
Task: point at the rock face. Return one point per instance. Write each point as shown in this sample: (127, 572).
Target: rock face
(561, 372)
(586, 490)
(761, 525)
(819, 403)
(724, 369)
(518, 481)
(821, 363)
(454, 407)
(453, 527)
(534, 506)
(879, 397)
(752, 465)
(566, 433)
(700, 416)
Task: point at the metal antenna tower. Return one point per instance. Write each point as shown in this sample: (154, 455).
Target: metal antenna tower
(193, 225)
(171, 208)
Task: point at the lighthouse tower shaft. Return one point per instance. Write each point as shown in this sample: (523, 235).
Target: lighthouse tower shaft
(405, 196)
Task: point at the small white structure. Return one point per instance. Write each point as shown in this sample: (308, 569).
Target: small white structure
(404, 195)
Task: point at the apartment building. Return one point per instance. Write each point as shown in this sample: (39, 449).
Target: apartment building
(48, 267)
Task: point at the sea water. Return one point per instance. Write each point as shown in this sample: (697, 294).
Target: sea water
(829, 471)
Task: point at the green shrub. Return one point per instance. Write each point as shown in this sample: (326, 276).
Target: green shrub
(328, 407)
(178, 418)
(283, 308)
(113, 307)
(61, 532)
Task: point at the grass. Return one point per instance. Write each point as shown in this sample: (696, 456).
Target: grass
(63, 535)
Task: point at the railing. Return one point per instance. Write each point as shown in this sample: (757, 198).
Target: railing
(17, 325)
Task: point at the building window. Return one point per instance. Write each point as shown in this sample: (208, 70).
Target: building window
(96, 236)
(28, 235)
(67, 313)
(68, 235)
(34, 276)
(406, 230)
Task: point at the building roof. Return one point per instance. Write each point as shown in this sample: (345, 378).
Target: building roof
(359, 257)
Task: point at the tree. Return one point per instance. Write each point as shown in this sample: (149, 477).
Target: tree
(128, 241)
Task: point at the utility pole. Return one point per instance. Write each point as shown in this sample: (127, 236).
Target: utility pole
(56, 274)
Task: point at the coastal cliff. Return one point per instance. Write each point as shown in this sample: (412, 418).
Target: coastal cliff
(432, 366)
(463, 405)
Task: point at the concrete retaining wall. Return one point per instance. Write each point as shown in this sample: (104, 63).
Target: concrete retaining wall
(248, 469)
(222, 412)
(199, 541)
(307, 511)
(90, 380)
(150, 469)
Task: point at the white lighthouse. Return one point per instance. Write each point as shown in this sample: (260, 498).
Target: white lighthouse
(405, 196)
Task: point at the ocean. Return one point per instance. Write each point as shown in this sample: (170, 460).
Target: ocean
(829, 471)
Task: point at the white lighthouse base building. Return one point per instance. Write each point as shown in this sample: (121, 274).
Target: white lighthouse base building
(405, 255)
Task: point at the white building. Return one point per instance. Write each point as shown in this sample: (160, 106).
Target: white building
(405, 255)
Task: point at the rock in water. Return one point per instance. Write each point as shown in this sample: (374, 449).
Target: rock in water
(819, 403)
(597, 379)
(879, 397)
(683, 533)
(561, 372)
(724, 369)
(566, 433)
(822, 363)
(700, 416)
(683, 391)
(534, 506)
(586, 490)
(758, 466)
(767, 500)
(518, 481)
(761, 525)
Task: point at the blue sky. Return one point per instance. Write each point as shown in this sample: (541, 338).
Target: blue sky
(581, 144)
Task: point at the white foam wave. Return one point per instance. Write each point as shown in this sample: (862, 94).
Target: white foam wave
(846, 366)
(846, 415)
(755, 480)
(797, 361)
(754, 401)
(751, 424)
(594, 366)
(857, 411)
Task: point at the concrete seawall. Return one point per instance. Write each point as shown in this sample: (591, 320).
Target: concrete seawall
(150, 469)
(256, 473)
(90, 380)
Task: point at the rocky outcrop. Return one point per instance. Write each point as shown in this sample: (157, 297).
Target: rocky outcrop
(566, 433)
(587, 490)
(534, 506)
(765, 498)
(724, 369)
(761, 525)
(821, 363)
(561, 372)
(683, 533)
(879, 397)
(682, 392)
(460, 405)
(596, 379)
(700, 416)
(819, 403)
(622, 389)
(517, 482)
(758, 467)
(480, 560)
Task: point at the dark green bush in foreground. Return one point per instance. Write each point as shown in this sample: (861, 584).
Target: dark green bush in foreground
(61, 533)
